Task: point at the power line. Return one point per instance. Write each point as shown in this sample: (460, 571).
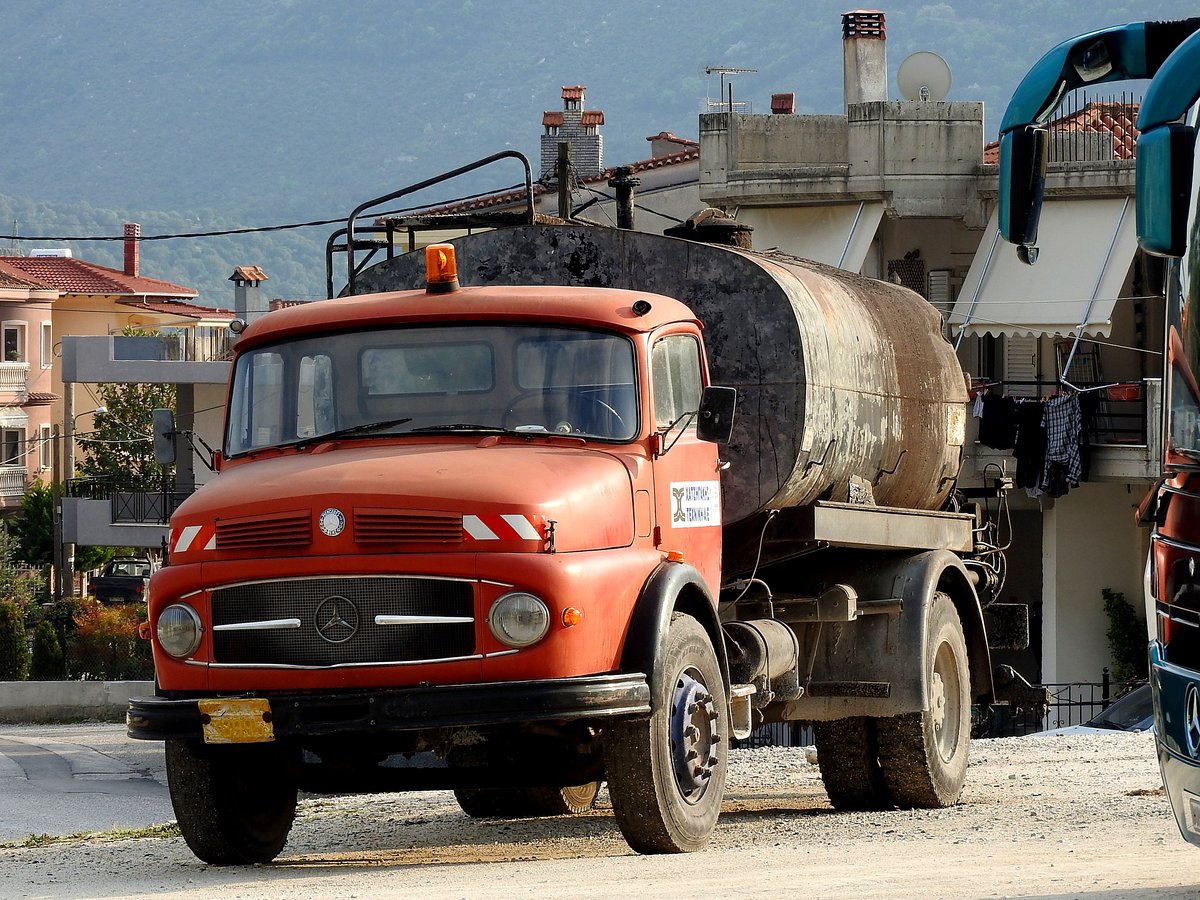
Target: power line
(257, 230)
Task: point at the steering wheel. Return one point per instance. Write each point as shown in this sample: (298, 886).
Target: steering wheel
(616, 424)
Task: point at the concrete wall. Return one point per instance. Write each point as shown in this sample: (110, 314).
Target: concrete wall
(64, 701)
(1079, 559)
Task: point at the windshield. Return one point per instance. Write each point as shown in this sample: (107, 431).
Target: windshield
(1183, 344)
(465, 378)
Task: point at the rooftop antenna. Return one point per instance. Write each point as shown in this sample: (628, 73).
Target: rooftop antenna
(924, 76)
(730, 71)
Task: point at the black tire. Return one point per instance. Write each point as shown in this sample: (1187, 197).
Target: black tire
(924, 755)
(848, 754)
(234, 805)
(666, 775)
(527, 802)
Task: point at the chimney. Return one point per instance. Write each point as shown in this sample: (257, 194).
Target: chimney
(248, 303)
(864, 56)
(133, 234)
(783, 104)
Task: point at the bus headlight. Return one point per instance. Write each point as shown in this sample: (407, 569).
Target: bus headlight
(179, 630)
(519, 619)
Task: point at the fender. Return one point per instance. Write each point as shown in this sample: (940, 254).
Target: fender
(671, 587)
(893, 648)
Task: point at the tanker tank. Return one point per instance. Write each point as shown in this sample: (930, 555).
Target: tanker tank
(839, 377)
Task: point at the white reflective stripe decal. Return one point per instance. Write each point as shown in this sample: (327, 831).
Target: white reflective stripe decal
(473, 525)
(186, 536)
(212, 542)
(523, 527)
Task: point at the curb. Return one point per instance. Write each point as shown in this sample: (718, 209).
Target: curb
(38, 702)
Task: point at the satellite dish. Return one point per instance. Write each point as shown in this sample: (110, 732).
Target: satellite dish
(924, 76)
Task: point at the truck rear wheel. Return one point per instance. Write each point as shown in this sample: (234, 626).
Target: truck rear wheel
(848, 754)
(924, 755)
(234, 805)
(483, 803)
(666, 775)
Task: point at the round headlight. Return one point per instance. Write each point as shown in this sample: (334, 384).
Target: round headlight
(519, 619)
(179, 630)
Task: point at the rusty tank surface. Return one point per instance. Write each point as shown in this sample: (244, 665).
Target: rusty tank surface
(840, 378)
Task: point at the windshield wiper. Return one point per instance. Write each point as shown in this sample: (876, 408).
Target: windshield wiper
(462, 426)
(364, 428)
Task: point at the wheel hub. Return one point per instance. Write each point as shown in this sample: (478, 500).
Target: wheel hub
(937, 710)
(694, 736)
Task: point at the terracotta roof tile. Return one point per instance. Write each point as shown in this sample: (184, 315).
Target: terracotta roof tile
(1117, 119)
(552, 118)
(248, 273)
(76, 276)
(179, 308)
(573, 92)
(9, 280)
(592, 117)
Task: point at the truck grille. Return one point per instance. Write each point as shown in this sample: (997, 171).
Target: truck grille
(397, 526)
(337, 621)
(289, 529)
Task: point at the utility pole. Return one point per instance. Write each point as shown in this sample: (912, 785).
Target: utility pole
(56, 511)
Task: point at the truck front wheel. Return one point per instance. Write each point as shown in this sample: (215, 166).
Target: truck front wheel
(234, 805)
(924, 755)
(666, 776)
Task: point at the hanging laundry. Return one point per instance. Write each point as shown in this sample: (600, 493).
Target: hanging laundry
(1063, 469)
(998, 425)
(977, 406)
(1030, 449)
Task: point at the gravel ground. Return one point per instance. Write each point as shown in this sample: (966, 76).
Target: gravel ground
(1067, 816)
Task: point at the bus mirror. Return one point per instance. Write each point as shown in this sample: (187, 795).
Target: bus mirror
(1164, 187)
(163, 424)
(715, 419)
(1022, 183)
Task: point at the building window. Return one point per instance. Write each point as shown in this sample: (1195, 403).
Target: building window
(12, 446)
(14, 341)
(45, 448)
(47, 345)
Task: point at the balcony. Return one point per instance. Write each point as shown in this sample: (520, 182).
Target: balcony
(1122, 436)
(14, 380)
(127, 512)
(12, 485)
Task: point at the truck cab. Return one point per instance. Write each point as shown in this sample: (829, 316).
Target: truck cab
(436, 507)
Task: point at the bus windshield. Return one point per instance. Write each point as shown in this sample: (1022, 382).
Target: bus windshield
(467, 378)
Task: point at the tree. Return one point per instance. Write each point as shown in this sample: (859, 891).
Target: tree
(121, 446)
(32, 528)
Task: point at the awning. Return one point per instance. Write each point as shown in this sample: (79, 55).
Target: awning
(839, 234)
(1085, 249)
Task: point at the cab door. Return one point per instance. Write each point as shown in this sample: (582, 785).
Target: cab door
(686, 479)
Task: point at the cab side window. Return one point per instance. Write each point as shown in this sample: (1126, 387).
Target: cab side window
(675, 373)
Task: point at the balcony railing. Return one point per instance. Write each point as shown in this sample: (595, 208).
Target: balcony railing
(14, 378)
(133, 499)
(12, 482)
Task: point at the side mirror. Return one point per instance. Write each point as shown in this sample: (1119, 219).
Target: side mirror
(164, 436)
(715, 418)
(1164, 187)
(1023, 161)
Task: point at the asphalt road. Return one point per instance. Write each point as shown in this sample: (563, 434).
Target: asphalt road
(66, 779)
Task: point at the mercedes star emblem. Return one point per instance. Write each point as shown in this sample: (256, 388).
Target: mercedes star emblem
(332, 521)
(1191, 720)
(336, 620)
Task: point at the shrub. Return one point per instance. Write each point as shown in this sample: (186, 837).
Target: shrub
(14, 649)
(48, 662)
(106, 646)
(1126, 638)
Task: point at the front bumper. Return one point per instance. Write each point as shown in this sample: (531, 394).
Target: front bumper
(412, 708)
(1178, 754)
